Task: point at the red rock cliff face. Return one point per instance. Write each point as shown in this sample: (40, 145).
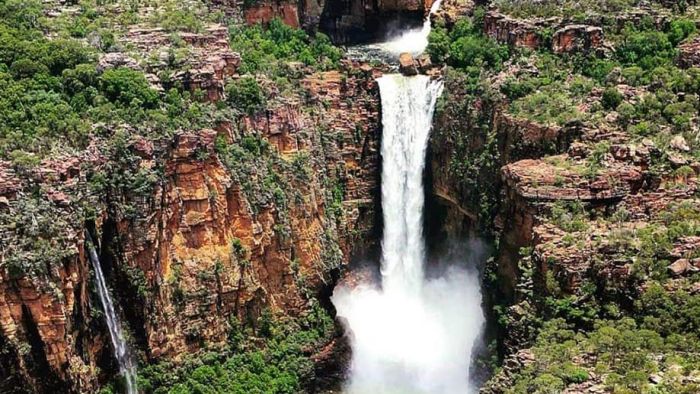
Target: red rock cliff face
(212, 241)
(49, 337)
(184, 245)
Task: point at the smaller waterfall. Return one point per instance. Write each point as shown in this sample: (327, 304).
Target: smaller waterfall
(413, 41)
(121, 349)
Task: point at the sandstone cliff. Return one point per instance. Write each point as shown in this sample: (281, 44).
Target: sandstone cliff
(196, 232)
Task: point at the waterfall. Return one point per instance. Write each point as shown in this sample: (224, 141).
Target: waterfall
(413, 41)
(413, 334)
(407, 106)
(121, 349)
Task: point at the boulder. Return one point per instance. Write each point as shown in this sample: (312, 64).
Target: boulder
(407, 64)
(424, 63)
(114, 60)
(679, 143)
(511, 31)
(679, 267)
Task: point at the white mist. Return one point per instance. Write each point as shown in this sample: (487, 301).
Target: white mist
(412, 335)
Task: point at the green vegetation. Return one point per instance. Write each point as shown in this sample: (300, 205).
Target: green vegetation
(267, 49)
(465, 47)
(576, 9)
(271, 358)
(246, 94)
(625, 351)
(597, 305)
(52, 93)
(42, 242)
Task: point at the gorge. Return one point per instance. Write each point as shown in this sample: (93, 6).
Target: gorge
(286, 196)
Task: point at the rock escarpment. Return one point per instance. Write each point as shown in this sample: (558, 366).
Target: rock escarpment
(593, 216)
(197, 232)
(222, 242)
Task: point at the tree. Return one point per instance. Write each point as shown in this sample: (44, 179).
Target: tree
(128, 87)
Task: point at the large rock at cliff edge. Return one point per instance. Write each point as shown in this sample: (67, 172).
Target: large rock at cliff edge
(407, 65)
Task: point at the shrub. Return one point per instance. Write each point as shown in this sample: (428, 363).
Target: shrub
(680, 29)
(128, 87)
(547, 107)
(246, 95)
(263, 49)
(647, 49)
(438, 45)
(611, 98)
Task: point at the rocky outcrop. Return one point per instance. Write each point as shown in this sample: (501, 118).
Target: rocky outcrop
(511, 31)
(577, 38)
(451, 11)
(689, 53)
(526, 33)
(208, 65)
(264, 12)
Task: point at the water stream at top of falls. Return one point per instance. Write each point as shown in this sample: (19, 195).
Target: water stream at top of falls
(119, 344)
(413, 41)
(412, 334)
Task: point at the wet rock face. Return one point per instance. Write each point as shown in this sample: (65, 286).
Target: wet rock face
(345, 21)
(356, 21)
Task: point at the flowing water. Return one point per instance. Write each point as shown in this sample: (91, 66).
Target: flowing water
(412, 334)
(413, 41)
(121, 349)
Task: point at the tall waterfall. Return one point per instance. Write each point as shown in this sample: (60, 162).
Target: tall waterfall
(121, 349)
(414, 334)
(407, 106)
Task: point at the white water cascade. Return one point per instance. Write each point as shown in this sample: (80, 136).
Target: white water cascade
(413, 41)
(121, 349)
(414, 333)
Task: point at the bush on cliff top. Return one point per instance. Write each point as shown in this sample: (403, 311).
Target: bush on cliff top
(263, 49)
(465, 47)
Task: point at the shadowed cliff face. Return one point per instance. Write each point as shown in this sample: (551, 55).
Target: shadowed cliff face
(344, 21)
